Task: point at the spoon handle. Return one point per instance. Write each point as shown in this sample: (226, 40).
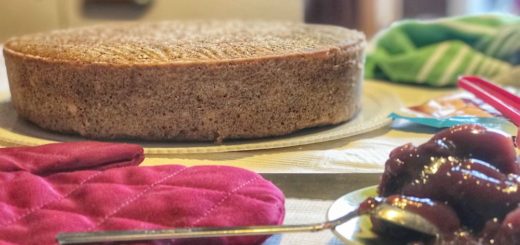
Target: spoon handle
(196, 232)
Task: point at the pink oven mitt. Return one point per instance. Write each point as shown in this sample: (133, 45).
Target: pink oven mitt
(92, 186)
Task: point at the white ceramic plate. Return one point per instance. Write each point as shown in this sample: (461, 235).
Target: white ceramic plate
(357, 231)
(376, 106)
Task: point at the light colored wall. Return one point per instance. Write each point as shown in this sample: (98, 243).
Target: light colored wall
(26, 16)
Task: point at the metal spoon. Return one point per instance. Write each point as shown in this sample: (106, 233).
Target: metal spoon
(383, 211)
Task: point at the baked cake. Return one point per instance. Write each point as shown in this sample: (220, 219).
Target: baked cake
(186, 81)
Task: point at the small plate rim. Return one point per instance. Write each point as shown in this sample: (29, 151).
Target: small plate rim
(346, 203)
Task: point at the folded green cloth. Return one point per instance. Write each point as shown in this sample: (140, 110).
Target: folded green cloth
(436, 52)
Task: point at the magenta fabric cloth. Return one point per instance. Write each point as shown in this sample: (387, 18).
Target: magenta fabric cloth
(92, 186)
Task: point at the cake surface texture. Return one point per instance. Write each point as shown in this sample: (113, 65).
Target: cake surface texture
(186, 81)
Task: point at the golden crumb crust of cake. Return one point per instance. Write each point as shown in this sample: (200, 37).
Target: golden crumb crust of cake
(180, 42)
(187, 81)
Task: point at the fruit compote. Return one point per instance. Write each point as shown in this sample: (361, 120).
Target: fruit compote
(465, 180)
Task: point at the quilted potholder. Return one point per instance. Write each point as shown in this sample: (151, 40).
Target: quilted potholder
(92, 186)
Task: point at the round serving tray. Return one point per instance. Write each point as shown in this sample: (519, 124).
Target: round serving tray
(377, 104)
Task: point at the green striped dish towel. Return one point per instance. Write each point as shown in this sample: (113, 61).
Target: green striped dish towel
(436, 52)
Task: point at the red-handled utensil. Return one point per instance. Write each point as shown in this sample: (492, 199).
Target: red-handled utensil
(505, 102)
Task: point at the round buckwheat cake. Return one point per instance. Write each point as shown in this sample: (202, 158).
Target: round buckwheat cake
(186, 81)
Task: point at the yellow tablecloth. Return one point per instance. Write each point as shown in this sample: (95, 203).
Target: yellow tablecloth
(363, 153)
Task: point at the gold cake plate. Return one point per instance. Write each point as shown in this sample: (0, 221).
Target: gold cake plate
(377, 104)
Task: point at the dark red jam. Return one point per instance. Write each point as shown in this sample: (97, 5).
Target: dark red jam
(465, 180)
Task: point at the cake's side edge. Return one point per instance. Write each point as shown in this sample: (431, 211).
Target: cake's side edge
(199, 102)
